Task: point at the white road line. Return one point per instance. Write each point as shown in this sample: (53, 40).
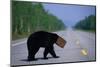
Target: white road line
(18, 43)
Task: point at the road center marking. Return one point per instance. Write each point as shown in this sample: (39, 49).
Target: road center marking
(83, 51)
(77, 42)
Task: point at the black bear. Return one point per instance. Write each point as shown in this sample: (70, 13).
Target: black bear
(41, 39)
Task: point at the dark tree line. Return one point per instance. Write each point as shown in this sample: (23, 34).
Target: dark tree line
(28, 17)
(89, 23)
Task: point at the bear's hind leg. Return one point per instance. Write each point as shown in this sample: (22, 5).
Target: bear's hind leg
(45, 53)
(31, 54)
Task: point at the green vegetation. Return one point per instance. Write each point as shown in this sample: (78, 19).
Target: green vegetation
(88, 24)
(28, 17)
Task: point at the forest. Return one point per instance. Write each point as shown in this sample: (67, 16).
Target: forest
(28, 17)
(88, 23)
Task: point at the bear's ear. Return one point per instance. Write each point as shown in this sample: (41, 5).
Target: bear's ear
(61, 42)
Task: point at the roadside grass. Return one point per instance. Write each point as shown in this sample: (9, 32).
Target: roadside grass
(16, 37)
(92, 31)
(21, 36)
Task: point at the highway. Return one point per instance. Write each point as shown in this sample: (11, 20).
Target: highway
(80, 47)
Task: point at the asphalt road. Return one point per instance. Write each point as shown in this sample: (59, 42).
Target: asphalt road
(80, 47)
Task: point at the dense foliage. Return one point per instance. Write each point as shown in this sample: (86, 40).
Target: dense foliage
(28, 17)
(89, 23)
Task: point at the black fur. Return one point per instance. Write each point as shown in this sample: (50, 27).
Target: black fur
(41, 39)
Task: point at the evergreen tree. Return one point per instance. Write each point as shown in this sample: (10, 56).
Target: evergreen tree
(28, 17)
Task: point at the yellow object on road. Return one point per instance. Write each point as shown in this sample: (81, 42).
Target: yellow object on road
(84, 52)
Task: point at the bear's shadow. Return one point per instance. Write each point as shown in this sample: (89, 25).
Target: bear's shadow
(37, 59)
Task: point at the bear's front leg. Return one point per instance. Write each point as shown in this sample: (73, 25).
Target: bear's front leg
(52, 52)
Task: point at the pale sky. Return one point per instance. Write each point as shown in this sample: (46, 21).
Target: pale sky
(70, 14)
